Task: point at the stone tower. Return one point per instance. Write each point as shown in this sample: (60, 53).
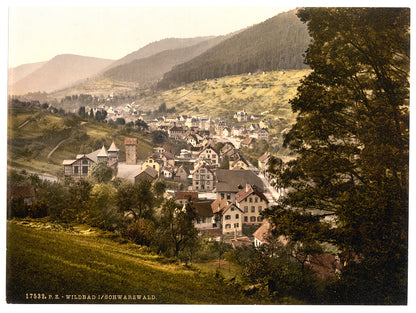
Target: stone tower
(131, 150)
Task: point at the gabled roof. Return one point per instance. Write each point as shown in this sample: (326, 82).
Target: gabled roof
(149, 171)
(247, 191)
(209, 146)
(189, 195)
(201, 208)
(264, 157)
(235, 180)
(248, 141)
(177, 129)
(202, 164)
(241, 242)
(262, 232)
(222, 205)
(184, 168)
(68, 162)
(92, 156)
(218, 204)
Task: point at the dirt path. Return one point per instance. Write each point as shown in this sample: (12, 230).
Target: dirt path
(24, 123)
(57, 146)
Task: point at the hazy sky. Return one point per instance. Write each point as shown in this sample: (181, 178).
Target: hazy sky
(40, 33)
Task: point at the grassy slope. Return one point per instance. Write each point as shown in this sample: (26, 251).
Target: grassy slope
(91, 263)
(223, 96)
(29, 146)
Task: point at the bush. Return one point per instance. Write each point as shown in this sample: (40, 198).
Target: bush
(38, 209)
(17, 208)
(140, 232)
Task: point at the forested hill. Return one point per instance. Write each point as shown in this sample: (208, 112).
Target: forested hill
(159, 46)
(149, 69)
(277, 43)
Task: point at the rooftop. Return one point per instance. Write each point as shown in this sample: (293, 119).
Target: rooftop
(236, 180)
(130, 141)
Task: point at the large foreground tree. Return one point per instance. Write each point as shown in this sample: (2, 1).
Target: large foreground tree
(352, 138)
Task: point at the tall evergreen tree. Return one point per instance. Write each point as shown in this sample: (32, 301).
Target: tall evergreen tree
(352, 138)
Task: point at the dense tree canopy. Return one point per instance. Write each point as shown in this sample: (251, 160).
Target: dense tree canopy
(352, 138)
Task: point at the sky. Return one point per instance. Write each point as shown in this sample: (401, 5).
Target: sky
(42, 32)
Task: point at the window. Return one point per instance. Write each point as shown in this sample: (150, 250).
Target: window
(236, 225)
(85, 170)
(84, 161)
(196, 176)
(237, 216)
(250, 199)
(197, 183)
(245, 219)
(228, 217)
(232, 208)
(256, 199)
(202, 177)
(207, 182)
(222, 195)
(202, 170)
(75, 169)
(154, 166)
(252, 219)
(260, 209)
(228, 196)
(227, 226)
(246, 209)
(208, 177)
(259, 219)
(253, 209)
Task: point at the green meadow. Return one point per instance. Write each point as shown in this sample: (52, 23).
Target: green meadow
(48, 264)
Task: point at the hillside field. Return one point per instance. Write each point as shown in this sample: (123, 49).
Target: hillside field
(48, 260)
(34, 133)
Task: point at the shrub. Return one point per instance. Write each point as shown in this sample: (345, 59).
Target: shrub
(140, 232)
(38, 209)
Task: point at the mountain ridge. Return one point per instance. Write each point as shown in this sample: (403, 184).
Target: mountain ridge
(59, 72)
(277, 43)
(148, 70)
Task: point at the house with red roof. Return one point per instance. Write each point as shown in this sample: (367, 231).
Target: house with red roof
(252, 202)
(229, 217)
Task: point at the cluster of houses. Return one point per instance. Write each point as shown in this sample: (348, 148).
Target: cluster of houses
(233, 193)
(196, 128)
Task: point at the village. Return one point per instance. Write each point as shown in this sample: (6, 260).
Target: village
(221, 186)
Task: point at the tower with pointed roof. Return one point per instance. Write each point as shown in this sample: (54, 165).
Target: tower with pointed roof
(102, 156)
(113, 152)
